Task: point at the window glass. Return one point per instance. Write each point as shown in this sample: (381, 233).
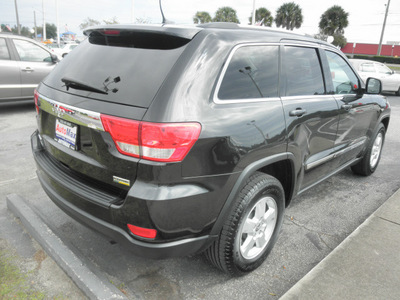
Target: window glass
(252, 73)
(4, 54)
(303, 72)
(383, 69)
(30, 52)
(367, 67)
(343, 77)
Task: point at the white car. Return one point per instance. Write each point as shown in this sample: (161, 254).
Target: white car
(64, 50)
(368, 68)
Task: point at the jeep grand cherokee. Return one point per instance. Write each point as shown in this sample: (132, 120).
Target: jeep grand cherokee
(177, 140)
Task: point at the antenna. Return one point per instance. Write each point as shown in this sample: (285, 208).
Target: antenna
(164, 21)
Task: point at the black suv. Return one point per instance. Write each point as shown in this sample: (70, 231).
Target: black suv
(177, 140)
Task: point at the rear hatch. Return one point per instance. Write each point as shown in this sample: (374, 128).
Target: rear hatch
(116, 72)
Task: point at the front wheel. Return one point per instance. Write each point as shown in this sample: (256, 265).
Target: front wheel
(371, 159)
(252, 227)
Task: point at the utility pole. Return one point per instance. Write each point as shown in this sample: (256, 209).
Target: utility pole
(16, 12)
(253, 18)
(58, 25)
(133, 12)
(34, 19)
(44, 24)
(383, 28)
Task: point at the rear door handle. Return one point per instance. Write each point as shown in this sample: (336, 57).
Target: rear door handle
(298, 112)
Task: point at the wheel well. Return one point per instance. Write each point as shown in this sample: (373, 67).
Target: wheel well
(385, 123)
(283, 171)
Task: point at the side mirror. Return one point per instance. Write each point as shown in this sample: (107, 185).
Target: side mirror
(54, 58)
(373, 86)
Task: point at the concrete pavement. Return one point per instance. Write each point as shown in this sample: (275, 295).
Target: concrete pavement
(366, 265)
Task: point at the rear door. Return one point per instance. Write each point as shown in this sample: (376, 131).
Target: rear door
(311, 115)
(10, 79)
(35, 64)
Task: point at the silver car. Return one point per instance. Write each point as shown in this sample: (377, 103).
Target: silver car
(368, 68)
(23, 65)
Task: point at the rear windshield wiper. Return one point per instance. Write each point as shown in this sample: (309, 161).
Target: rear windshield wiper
(74, 84)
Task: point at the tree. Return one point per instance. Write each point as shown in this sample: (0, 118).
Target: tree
(289, 16)
(25, 31)
(202, 17)
(263, 16)
(111, 21)
(226, 14)
(51, 31)
(88, 23)
(334, 21)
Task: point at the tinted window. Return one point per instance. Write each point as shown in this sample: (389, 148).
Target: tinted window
(30, 52)
(252, 73)
(302, 72)
(344, 79)
(4, 50)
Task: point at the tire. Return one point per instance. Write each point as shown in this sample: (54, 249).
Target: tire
(398, 92)
(252, 226)
(368, 164)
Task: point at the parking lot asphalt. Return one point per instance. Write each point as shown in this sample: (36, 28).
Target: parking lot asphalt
(315, 226)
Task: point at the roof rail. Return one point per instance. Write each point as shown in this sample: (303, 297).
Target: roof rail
(222, 25)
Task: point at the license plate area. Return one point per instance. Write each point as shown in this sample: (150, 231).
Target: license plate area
(66, 133)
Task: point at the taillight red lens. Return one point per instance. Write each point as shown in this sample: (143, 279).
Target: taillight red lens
(36, 97)
(124, 132)
(165, 142)
(143, 232)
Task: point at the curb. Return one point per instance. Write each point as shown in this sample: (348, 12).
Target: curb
(86, 280)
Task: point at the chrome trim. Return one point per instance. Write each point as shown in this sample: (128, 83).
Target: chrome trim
(17, 86)
(71, 113)
(334, 155)
(221, 77)
(308, 97)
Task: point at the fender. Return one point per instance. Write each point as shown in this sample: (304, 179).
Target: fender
(247, 172)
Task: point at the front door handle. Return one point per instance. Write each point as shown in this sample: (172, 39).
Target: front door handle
(28, 69)
(298, 112)
(347, 106)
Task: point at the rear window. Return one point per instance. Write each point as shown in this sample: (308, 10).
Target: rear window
(140, 62)
(252, 73)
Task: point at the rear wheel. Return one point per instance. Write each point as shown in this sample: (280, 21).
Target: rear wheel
(398, 92)
(371, 159)
(251, 228)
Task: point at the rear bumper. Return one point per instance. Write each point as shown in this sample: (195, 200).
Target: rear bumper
(61, 190)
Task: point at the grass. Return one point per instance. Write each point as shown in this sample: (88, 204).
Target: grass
(395, 68)
(13, 283)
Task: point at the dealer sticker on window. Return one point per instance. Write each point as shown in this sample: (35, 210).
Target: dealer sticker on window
(66, 133)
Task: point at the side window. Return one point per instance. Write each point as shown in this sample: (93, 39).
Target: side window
(367, 67)
(343, 77)
(252, 73)
(303, 72)
(383, 69)
(4, 54)
(30, 52)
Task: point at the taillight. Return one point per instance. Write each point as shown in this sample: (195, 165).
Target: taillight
(36, 97)
(165, 142)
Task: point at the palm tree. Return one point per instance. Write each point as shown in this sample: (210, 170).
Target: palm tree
(202, 17)
(263, 16)
(289, 16)
(334, 21)
(226, 14)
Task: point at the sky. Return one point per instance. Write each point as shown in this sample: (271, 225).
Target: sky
(365, 16)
